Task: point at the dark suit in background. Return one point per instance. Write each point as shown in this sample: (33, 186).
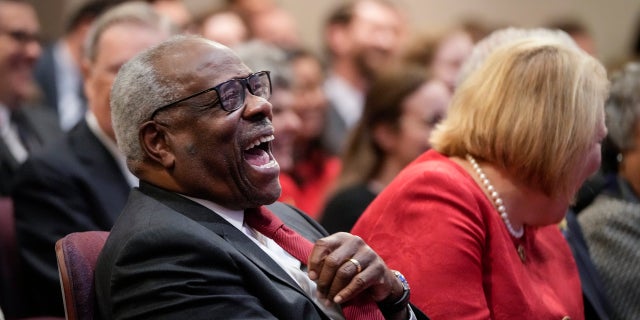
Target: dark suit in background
(74, 185)
(596, 304)
(46, 75)
(41, 125)
(201, 266)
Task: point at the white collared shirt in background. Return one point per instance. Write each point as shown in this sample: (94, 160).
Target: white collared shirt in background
(9, 134)
(68, 87)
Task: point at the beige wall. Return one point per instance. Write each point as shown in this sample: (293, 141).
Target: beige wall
(612, 22)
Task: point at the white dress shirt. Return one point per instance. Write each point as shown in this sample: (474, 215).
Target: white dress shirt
(68, 87)
(9, 134)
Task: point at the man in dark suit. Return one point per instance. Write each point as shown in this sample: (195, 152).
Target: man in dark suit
(195, 125)
(58, 73)
(361, 37)
(596, 303)
(23, 128)
(81, 182)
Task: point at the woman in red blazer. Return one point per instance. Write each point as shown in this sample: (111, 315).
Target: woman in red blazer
(472, 223)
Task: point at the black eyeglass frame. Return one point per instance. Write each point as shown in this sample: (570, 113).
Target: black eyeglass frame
(245, 84)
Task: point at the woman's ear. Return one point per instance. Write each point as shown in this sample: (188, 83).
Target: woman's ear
(385, 136)
(153, 140)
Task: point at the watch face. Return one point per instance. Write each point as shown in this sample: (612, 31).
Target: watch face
(402, 279)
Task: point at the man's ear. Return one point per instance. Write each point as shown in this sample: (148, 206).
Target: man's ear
(153, 139)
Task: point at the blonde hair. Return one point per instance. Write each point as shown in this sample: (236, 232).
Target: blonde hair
(531, 109)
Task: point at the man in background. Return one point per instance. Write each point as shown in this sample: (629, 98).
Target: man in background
(361, 37)
(23, 128)
(81, 182)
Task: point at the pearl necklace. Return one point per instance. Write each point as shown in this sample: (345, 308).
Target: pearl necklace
(499, 204)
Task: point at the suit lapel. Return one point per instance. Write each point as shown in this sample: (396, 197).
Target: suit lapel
(41, 122)
(224, 229)
(8, 167)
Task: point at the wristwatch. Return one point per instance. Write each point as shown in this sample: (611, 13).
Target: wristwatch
(391, 307)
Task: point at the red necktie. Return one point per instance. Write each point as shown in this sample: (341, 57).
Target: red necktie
(267, 223)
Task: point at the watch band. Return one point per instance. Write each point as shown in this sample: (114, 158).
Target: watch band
(391, 307)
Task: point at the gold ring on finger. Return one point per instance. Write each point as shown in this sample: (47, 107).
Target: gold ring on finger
(357, 264)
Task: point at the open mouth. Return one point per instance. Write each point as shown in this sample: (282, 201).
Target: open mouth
(258, 152)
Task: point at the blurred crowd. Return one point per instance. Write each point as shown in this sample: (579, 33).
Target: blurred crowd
(347, 122)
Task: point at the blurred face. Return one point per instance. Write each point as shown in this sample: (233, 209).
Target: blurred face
(376, 34)
(310, 103)
(217, 155)
(19, 51)
(286, 124)
(117, 45)
(422, 110)
(585, 42)
(226, 28)
(276, 26)
(175, 10)
(451, 54)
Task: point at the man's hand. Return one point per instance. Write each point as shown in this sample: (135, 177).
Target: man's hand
(338, 278)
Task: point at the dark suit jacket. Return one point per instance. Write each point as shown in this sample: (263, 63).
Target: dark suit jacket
(45, 75)
(168, 257)
(596, 305)
(42, 124)
(74, 185)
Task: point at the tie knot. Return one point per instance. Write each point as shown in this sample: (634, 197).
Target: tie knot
(263, 221)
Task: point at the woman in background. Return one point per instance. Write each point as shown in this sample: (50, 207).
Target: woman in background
(473, 221)
(442, 53)
(401, 108)
(315, 167)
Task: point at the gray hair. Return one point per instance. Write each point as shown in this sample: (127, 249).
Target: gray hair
(138, 90)
(505, 36)
(259, 56)
(136, 12)
(623, 106)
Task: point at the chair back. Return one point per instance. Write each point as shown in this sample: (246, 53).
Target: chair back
(8, 257)
(77, 254)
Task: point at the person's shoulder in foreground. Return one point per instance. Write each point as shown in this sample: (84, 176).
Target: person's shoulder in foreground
(192, 241)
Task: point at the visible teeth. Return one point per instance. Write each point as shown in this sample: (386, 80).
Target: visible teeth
(260, 140)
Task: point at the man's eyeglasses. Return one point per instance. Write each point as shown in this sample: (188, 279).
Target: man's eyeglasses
(21, 36)
(231, 93)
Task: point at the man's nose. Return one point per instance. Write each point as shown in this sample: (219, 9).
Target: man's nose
(257, 107)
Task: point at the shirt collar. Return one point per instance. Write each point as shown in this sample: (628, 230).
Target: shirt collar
(235, 217)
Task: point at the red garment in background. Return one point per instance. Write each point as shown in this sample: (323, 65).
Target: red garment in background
(435, 225)
(313, 181)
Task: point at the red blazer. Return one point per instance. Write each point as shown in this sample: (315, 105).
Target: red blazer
(435, 225)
